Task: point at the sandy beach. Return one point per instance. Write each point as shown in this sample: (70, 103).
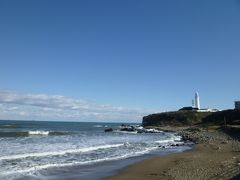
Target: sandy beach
(216, 155)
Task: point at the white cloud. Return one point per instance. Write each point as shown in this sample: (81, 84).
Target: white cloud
(12, 108)
(56, 107)
(22, 113)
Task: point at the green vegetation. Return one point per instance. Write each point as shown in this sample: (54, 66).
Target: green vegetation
(223, 118)
(193, 118)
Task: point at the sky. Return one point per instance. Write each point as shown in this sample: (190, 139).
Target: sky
(116, 61)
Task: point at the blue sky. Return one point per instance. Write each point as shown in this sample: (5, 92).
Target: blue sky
(137, 55)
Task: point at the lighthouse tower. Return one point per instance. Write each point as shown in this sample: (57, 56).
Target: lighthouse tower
(197, 101)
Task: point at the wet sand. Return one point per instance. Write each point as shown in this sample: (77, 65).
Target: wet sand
(215, 156)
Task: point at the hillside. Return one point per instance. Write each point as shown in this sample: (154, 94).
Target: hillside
(175, 118)
(228, 117)
(189, 118)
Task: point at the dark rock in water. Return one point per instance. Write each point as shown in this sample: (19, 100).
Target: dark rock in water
(128, 129)
(108, 130)
(175, 144)
(133, 128)
(140, 131)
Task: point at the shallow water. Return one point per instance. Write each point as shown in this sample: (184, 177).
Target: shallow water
(46, 150)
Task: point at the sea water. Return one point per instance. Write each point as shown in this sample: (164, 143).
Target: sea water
(33, 149)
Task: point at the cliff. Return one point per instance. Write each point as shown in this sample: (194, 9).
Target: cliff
(175, 118)
(226, 117)
(189, 118)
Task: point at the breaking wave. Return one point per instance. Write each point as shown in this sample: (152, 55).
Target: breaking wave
(31, 133)
(38, 132)
(59, 153)
(55, 165)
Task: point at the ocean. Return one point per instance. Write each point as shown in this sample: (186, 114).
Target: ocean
(70, 150)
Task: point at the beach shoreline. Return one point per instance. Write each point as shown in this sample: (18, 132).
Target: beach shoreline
(216, 155)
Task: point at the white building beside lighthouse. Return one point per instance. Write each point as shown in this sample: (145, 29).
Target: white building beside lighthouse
(196, 106)
(197, 101)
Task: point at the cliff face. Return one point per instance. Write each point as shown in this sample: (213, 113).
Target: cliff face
(228, 117)
(188, 118)
(176, 118)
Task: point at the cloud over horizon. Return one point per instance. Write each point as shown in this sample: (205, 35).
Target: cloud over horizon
(15, 106)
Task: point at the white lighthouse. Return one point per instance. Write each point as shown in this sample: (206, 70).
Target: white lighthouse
(197, 101)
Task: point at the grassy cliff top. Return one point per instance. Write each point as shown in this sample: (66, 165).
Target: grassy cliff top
(189, 118)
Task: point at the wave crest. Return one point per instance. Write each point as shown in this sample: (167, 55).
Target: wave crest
(59, 153)
(38, 133)
(31, 133)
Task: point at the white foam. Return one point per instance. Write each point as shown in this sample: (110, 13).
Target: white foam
(126, 132)
(173, 139)
(165, 141)
(98, 126)
(42, 167)
(177, 138)
(55, 153)
(38, 133)
(153, 131)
